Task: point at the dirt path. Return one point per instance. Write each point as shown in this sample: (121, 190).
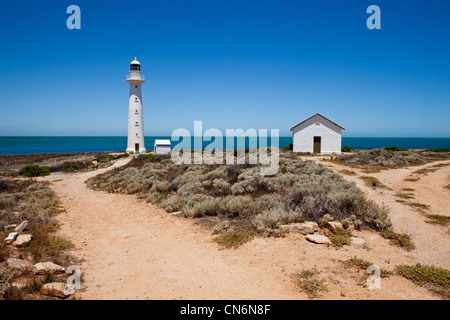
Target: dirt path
(133, 250)
(432, 241)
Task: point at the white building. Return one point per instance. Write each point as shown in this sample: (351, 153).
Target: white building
(162, 146)
(135, 118)
(318, 135)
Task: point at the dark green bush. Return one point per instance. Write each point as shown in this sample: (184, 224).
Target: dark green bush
(288, 147)
(33, 170)
(346, 149)
(394, 148)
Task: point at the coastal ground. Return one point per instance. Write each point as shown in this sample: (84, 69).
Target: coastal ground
(131, 249)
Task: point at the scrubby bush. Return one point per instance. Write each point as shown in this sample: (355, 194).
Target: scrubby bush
(346, 149)
(382, 158)
(288, 147)
(33, 170)
(301, 190)
(395, 148)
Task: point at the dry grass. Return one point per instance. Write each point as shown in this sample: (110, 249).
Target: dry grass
(236, 237)
(438, 219)
(399, 239)
(309, 282)
(373, 182)
(35, 202)
(404, 195)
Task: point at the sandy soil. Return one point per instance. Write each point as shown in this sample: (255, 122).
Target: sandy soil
(132, 250)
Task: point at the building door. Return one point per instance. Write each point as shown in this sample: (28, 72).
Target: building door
(317, 145)
(136, 147)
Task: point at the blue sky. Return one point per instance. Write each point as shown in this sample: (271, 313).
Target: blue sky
(231, 64)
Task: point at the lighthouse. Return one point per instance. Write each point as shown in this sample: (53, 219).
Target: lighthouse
(135, 118)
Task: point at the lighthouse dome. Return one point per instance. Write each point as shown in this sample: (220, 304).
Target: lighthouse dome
(135, 62)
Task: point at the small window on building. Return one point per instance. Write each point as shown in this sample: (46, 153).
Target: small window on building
(135, 86)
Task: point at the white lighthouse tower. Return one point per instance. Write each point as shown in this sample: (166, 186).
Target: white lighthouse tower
(135, 117)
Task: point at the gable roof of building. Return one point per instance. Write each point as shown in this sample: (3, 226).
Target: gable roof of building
(317, 114)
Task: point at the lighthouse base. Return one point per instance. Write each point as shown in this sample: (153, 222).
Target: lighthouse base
(132, 150)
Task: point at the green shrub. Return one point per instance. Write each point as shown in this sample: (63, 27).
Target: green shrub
(33, 170)
(309, 282)
(236, 237)
(421, 275)
(346, 149)
(301, 190)
(394, 148)
(399, 239)
(340, 237)
(288, 147)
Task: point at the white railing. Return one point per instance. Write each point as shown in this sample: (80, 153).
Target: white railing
(135, 76)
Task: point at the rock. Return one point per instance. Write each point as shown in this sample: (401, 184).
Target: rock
(356, 240)
(21, 226)
(176, 213)
(298, 227)
(11, 237)
(46, 267)
(22, 240)
(10, 227)
(22, 283)
(19, 264)
(312, 224)
(316, 238)
(56, 289)
(335, 224)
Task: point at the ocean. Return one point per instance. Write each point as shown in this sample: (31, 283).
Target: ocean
(43, 145)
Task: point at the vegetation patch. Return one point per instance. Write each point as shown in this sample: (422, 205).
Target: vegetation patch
(309, 282)
(236, 237)
(403, 195)
(373, 182)
(418, 206)
(447, 187)
(33, 170)
(384, 158)
(36, 203)
(340, 237)
(399, 239)
(395, 148)
(300, 191)
(422, 275)
(362, 264)
(347, 149)
(438, 219)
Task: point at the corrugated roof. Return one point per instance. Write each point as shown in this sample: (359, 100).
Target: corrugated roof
(318, 114)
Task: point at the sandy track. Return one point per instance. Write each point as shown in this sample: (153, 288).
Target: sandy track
(133, 250)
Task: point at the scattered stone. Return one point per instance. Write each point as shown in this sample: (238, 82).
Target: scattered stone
(19, 264)
(335, 224)
(22, 240)
(176, 213)
(10, 227)
(21, 226)
(316, 238)
(11, 237)
(356, 240)
(56, 289)
(21, 283)
(313, 225)
(46, 267)
(298, 227)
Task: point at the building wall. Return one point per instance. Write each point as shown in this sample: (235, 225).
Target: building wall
(135, 119)
(162, 149)
(303, 136)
